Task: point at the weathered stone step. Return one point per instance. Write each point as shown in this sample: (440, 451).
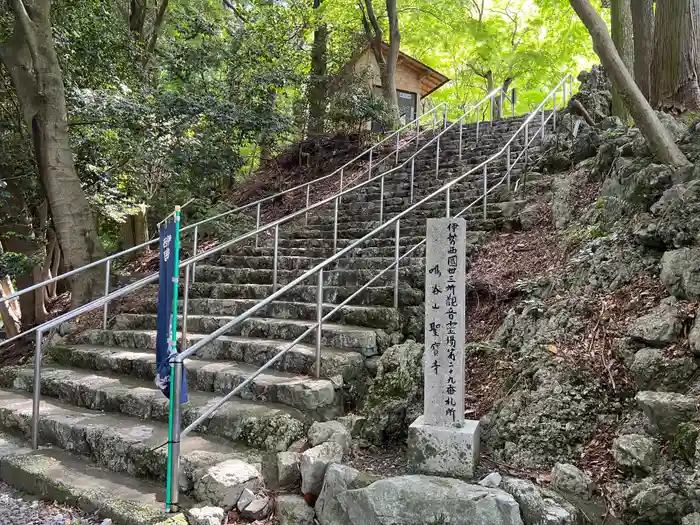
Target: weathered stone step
(355, 338)
(261, 425)
(372, 296)
(359, 277)
(323, 252)
(301, 359)
(56, 475)
(306, 263)
(121, 443)
(316, 397)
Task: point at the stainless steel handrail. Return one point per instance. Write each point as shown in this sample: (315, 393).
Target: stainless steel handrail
(340, 171)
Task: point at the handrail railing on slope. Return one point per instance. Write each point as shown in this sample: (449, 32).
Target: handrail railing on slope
(108, 261)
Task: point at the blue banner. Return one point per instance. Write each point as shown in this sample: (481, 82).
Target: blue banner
(166, 345)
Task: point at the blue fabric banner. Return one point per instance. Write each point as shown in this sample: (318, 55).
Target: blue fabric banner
(165, 345)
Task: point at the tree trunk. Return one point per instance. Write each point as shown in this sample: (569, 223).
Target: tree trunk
(622, 35)
(135, 230)
(498, 102)
(660, 141)
(31, 59)
(267, 139)
(318, 81)
(643, 31)
(10, 310)
(675, 85)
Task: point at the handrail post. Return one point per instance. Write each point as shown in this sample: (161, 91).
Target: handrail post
(485, 189)
(500, 95)
(36, 394)
(461, 131)
(508, 167)
(397, 238)
(413, 172)
(542, 123)
(342, 172)
(437, 158)
(274, 262)
(257, 223)
(527, 143)
(194, 253)
(105, 312)
(554, 113)
(398, 134)
(174, 459)
(335, 225)
(447, 202)
(445, 116)
(417, 132)
(371, 153)
(319, 321)
(381, 200)
(185, 308)
(308, 197)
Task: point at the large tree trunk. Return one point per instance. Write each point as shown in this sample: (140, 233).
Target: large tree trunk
(660, 141)
(676, 64)
(31, 59)
(623, 37)
(318, 81)
(643, 31)
(9, 310)
(498, 102)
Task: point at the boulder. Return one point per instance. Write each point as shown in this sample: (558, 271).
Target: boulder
(659, 327)
(657, 504)
(222, 484)
(330, 431)
(288, 472)
(247, 497)
(563, 197)
(339, 478)
(258, 509)
(652, 370)
(635, 453)
(313, 466)
(300, 445)
(293, 510)
(675, 128)
(569, 479)
(666, 410)
(684, 444)
(694, 337)
(428, 500)
(353, 423)
(691, 519)
(540, 506)
(680, 273)
(492, 481)
(205, 516)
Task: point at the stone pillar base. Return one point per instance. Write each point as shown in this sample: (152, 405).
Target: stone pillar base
(444, 451)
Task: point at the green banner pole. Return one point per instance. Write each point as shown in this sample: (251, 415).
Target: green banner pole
(169, 481)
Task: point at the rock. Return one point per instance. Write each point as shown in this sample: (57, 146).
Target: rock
(339, 478)
(563, 196)
(222, 484)
(610, 123)
(395, 397)
(247, 497)
(634, 183)
(570, 479)
(300, 445)
(530, 217)
(540, 506)
(680, 273)
(657, 504)
(635, 453)
(330, 431)
(659, 327)
(694, 337)
(313, 466)
(654, 371)
(205, 516)
(258, 509)
(675, 128)
(353, 423)
(691, 519)
(684, 443)
(288, 473)
(492, 481)
(426, 499)
(293, 510)
(667, 410)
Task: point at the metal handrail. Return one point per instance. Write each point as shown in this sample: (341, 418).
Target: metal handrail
(108, 259)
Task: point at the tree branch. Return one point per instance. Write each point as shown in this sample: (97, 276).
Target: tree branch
(157, 25)
(24, 23)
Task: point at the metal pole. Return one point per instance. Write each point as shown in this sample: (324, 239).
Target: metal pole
(335, 226)
(397, 238)
(413, 172)
(437, 158)
(564, 93)
(308, 198)
(512, 102)
(445, 117)
(257, 222)
(571, 86)
(501, 104)
(381, 200)
(105, 312)
(417, 132)
(174, 456)
(542, 122)
(185, 308)
(447, 203)
(194, 250)
(371, 152)
(274, 262)
(554, 115)
(478, 117)
(36, 394)
(461, 131)
(508, 166)
(397, 148)
(485, 189)
(527, 142)
(319, 321)
(342, 172)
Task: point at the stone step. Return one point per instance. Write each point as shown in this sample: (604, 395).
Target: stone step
(237, 420)
(360, 277)
(124, 444)
(371, 296)
(316, 397)
(56, 475)
(355, 338)
(301, 359)
(306, 263)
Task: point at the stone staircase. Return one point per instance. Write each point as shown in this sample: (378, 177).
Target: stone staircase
(107, 424)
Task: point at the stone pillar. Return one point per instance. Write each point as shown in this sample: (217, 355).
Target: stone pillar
(441, 441)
